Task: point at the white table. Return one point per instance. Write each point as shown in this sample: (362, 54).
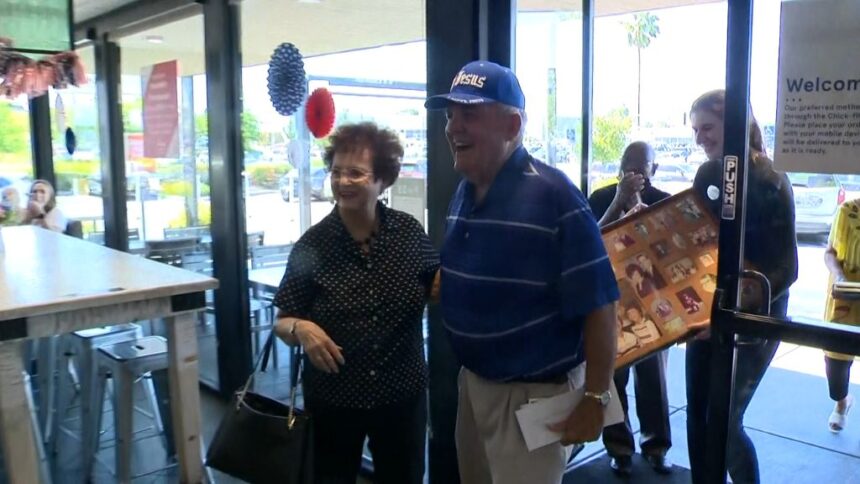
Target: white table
(266, 279)
(54, 284)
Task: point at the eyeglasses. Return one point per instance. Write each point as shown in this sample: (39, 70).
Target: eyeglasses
(352, 174)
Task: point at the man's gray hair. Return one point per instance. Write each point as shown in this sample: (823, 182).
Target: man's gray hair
(523, 118)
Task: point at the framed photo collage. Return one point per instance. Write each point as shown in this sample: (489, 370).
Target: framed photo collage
(665, 261)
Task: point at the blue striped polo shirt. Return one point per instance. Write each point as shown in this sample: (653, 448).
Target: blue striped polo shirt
(521, 271)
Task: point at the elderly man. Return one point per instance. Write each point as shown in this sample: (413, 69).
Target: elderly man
(528, 293)
(633, 191)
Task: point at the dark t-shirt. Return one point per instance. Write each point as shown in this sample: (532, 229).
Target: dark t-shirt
(601, 198)
(770, 244)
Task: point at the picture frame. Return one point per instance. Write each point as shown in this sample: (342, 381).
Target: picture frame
(665, 262)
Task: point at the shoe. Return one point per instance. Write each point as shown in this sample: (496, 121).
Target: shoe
(836, 422)
(622, 465)
(660, 463)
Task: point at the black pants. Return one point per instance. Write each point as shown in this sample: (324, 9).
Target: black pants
(652, 407)
(396, 433)
(838, 373)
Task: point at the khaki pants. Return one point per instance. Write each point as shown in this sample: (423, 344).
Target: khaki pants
(490, 445)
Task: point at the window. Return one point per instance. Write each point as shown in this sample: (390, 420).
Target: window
(78, 174)
(549, 67)
(16, 167)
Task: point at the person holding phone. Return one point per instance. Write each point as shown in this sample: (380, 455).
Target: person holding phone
(42, 208)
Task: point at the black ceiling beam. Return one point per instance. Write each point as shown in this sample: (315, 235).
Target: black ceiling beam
(134, 17)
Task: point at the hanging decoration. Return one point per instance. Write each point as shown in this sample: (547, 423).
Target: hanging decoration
(60, 113)
(319, 112)
(71, 141)
(20, 74)
(287, 83)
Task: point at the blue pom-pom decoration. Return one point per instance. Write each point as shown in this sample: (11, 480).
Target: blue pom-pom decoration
(288, 86)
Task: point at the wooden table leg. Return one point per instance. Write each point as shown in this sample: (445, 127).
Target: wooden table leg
(185, 395)
(19, 443)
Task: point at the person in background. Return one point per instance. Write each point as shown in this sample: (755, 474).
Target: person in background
(842, 259)
(42, 208)
(527, 290)
(10, 207)
(770, 247)
(634, 191)
(353, 296)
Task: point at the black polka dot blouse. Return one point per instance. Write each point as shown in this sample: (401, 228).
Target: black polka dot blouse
(370, 304)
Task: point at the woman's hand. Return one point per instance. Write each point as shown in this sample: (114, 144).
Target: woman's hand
(34, 210)
(322, 352)
(701, 330)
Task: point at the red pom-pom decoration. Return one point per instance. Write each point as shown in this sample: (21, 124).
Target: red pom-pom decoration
(319, 112)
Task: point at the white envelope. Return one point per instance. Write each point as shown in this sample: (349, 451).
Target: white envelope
(534, 418)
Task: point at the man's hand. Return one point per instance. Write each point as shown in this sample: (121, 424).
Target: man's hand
(322, 352)
(583, 425)
(629, 185)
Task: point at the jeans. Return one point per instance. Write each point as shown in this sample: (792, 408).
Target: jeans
(753, 358)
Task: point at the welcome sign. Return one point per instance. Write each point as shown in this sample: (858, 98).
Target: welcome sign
(818, 97)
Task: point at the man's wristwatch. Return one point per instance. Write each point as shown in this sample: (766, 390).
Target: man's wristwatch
(602, 397)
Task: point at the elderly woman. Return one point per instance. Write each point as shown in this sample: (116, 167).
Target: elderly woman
(42, 209)
(353, 297)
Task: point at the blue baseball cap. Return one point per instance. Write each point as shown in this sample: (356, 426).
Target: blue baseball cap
(481, 82)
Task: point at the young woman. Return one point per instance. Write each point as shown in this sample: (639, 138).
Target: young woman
(42, 209)
(770, 247)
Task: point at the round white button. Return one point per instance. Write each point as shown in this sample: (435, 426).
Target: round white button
(713, 192)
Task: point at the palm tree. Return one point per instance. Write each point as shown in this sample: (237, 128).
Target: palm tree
(640, 31)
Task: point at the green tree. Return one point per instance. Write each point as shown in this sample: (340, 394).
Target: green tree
(132, 116)
(251, 134)
(14, 130)
(610, 135)
(640, 31)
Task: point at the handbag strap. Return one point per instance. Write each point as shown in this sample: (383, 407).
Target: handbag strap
(263, 362)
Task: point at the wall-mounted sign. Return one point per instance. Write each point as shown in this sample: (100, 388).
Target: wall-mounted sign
(818, 98)
(160, 110)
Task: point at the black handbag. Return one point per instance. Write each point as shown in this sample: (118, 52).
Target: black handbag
(261, 440)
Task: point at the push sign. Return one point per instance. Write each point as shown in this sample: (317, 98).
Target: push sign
(730, 186)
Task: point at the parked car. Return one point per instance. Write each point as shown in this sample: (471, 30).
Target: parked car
(673, 177)
(816, 198)
(851, 184)
(289, 185)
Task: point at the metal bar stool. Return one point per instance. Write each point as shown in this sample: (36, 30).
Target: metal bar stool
(80, 350)
(126, 362)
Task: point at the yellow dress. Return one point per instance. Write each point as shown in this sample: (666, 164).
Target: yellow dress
(845, 240)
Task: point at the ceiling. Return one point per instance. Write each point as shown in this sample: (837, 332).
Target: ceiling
(87, 9)
(315, 27)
